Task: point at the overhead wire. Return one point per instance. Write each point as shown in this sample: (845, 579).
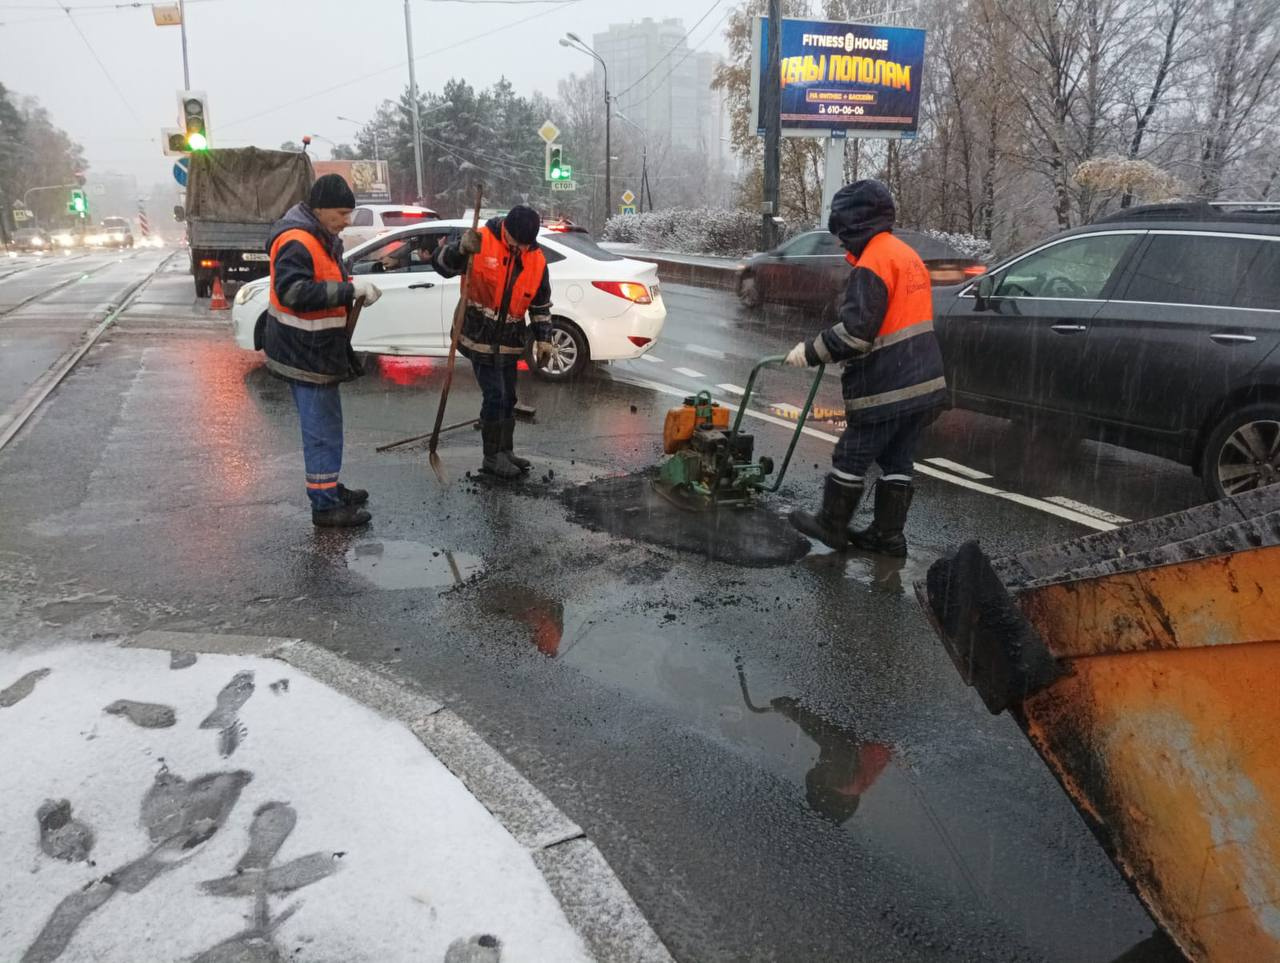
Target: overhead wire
(676, 66)
(102, 66)
(674, 47)
(384, 70)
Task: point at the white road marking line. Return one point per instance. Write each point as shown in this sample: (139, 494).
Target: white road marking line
(652, 359)
(706, 352)
(965, 470)
(688, 372)
(732, 389)
(923, 468)
(1084, 509)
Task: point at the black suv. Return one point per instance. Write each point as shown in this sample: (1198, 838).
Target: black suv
(1155, 329)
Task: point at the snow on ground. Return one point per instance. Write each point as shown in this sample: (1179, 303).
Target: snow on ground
(377, 853)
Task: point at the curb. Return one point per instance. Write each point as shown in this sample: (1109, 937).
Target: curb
(593, 899)
(684, 272)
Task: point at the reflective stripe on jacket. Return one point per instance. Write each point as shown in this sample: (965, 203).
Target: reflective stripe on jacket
(303, 328)
(884, 334)
(503, 286)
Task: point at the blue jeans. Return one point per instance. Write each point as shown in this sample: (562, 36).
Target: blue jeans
(320, 413)
(890, 443)
(497, 389)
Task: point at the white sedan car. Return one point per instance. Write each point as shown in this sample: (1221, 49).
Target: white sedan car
(374, 220)
(604, 307)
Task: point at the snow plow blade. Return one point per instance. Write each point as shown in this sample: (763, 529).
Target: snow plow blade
(1144, 666)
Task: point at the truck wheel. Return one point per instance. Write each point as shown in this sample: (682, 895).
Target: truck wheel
(1242, 452)
(204, 288)
(570, 353)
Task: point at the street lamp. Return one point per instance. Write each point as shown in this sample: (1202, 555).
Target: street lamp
(372, 127)
(644, 159)
(575, 42)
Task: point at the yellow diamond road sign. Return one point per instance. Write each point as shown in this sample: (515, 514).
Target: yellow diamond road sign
(548, 132)
(627, 197)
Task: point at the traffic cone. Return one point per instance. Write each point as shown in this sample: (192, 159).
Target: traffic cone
(219, 300)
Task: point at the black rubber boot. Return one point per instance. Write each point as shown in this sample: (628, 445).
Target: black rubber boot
(496, 462)
(839, 500)
(884, 535)
(344, 516)
(352, 496)
(508, 444)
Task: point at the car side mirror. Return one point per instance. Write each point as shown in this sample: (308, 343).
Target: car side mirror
(179, 213)
(984, 292)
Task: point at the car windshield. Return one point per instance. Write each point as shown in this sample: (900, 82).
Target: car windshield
(854, 538)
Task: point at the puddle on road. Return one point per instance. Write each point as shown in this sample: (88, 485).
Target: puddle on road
(392, 565)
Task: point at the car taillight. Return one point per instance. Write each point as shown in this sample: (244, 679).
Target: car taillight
(628, 290)
(206, 263)
(637, 341)
(973, 270)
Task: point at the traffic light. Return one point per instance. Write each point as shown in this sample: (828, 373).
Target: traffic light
(195, 119)
(79, 204)
(557, 170)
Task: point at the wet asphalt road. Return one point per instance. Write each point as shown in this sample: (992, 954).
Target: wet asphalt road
(780, 763)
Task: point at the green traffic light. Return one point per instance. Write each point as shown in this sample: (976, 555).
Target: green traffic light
(197, 141)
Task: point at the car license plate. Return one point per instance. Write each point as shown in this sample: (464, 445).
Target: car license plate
(653, 292)
(255, 257)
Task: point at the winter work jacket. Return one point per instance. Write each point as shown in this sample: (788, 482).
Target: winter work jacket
(304, 327)
(884, 332)
(502, 287)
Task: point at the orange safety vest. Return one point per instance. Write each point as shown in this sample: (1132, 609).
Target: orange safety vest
(490, 270)
(326, 269)
(904, 275)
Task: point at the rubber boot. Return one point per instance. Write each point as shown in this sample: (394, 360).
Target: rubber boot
(508, 443)
(839, 500)
(496, 462)
(343, 516)
(352, 496)
(884, 535)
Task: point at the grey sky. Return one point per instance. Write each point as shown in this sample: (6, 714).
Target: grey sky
(254, 56)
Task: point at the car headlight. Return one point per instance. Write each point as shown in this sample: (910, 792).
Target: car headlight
(248, 293)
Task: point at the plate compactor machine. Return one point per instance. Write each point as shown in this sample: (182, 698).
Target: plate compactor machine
(710, 464)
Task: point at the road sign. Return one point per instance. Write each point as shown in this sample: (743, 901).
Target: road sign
(628, 209)
(628, 198)
(180, 168)
(166, 14)
(548, 132)
(564, 185)
(21, 215)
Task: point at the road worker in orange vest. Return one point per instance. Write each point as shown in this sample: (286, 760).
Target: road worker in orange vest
(893, 382)
(508, 280)
(305, 339)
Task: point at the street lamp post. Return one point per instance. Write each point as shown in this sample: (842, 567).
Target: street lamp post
(644, 160)
(372, 127)
(577, 43)
(413, 95)
(182, 25)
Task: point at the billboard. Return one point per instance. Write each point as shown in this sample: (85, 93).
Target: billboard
(368, 179)
(843, 79)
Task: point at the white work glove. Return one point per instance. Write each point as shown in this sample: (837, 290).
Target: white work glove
(470, 243)
(797, 359)
(541, 352)
(367, 290)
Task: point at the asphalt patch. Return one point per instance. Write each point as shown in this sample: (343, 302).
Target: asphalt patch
(628, 506)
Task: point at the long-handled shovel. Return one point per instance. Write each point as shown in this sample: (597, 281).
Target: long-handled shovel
(453, 347)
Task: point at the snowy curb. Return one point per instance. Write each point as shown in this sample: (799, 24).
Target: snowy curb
(592, 897)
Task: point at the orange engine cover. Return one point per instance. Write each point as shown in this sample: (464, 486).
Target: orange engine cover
(683, 421)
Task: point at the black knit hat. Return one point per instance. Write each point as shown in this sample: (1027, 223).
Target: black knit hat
(522, 223)
(330, 191)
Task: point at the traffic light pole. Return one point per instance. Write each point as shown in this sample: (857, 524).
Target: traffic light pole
(186, 70)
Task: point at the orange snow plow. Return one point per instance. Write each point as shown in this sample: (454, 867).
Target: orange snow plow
(1144, 666)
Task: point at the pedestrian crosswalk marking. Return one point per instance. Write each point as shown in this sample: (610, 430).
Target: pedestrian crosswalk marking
(651, 359)
(688, 372)
(732, 389)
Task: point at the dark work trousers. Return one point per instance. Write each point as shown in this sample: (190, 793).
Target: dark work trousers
(497, 389)
(320, 413)
(890, 443)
